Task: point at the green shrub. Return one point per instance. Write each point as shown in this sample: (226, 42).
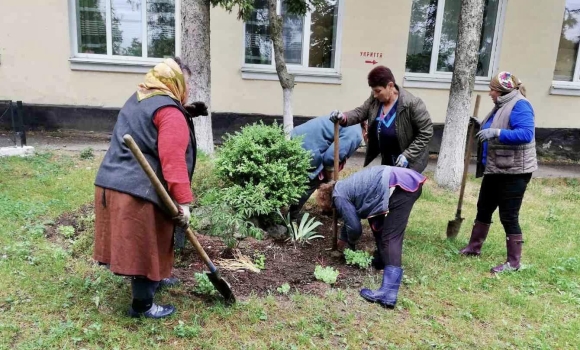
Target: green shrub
(262, 170)
(204, 178)
(358, 258)
(325, 274)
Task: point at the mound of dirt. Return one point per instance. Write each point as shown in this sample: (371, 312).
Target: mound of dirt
(284, 262)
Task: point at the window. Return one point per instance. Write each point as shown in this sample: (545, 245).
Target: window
(123, 31)
(310, 43)
(433, 37)
(567, 71)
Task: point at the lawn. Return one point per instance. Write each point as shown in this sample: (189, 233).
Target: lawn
(54, 297)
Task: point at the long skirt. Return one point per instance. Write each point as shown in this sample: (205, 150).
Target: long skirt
(133, 236)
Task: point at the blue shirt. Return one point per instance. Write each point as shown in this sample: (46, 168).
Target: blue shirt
(387, 134)
(521, 127)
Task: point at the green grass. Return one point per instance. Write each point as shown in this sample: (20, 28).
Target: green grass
(54, 297)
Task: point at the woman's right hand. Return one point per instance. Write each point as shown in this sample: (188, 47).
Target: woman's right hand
(182, 218)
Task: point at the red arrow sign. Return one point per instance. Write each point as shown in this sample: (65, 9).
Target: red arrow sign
(373, 62)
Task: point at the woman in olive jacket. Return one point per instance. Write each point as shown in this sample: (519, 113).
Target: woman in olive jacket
(400, 127)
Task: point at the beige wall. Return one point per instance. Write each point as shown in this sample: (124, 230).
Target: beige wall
(34, 63)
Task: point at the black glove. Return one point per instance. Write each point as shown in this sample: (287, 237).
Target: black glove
(472, 120)
(196, 109)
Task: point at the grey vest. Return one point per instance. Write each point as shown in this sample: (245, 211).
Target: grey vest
(119, 170)
(509, 159)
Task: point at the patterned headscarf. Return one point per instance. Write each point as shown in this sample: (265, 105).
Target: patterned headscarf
(506, 82)
(166, 78)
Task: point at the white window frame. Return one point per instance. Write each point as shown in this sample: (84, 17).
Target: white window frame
(442, 80)
(568, 88)
(302, 73)
(109, 62)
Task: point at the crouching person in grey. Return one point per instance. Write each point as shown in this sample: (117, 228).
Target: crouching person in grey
(318, 138)
(371, 194)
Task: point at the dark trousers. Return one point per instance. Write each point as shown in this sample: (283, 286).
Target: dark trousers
(389, 230)
(143, 290)
(312, 186)
(505, 191)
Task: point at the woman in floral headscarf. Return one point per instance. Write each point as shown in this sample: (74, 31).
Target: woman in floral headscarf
(133, 233)
(506, 160)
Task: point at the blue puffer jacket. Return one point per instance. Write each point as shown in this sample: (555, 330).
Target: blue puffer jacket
(318, 138)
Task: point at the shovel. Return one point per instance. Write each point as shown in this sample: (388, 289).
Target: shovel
(454, 225)
(218, 282)
(335, 178)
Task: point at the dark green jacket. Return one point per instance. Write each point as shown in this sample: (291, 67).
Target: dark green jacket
(413, 125)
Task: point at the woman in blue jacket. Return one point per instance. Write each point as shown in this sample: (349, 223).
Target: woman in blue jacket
(506, 159)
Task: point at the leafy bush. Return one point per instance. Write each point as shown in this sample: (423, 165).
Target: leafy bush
(203, 285)
(283, 289)
(325, 274)
(87, 153)
(204, 178)
(358, 258)
(262, 170)
(304, 232)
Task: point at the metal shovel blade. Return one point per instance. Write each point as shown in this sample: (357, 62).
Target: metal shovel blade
(453, 227)
(222, 286)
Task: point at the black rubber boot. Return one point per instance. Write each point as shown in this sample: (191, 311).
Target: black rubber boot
(514, 254)
(478, 235)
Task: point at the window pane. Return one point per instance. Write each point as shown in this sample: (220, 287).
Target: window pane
(421, 33)
(323, 35)
(92, 27)
(487, 37)
(160, 28)
(449, 32)
(127, 27)
(258, 44)
(292, 35)
(569, 40)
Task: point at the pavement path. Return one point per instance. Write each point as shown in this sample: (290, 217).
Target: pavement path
(76, 141)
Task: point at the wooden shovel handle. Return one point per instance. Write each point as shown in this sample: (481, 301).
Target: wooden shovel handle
(467, 156)
(335, 178)
(165, 198)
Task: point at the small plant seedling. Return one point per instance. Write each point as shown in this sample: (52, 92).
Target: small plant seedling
(325, 274)
(203, 285)
(184, 331)
(87, 153)
(284, 289)
(303, 232)
(260, 261)
(358, 258)
(66, 231)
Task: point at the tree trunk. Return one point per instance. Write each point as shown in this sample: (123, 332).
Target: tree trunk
(450, 163)
(195, 52)
(286, 79)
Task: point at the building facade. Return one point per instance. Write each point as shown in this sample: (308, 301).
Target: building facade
(83, 58)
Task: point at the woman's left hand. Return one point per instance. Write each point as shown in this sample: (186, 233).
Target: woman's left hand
(488, 134)
(402, 161)
(196, 109)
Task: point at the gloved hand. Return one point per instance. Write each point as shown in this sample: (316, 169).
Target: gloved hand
(472, 120)
(182, 219)
(488, 134)
(402, 161)
(337, 116)
(196, 109)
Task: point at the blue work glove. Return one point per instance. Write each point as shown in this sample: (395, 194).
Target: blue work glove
(337, 116)
(402, 162)
(488, 134)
